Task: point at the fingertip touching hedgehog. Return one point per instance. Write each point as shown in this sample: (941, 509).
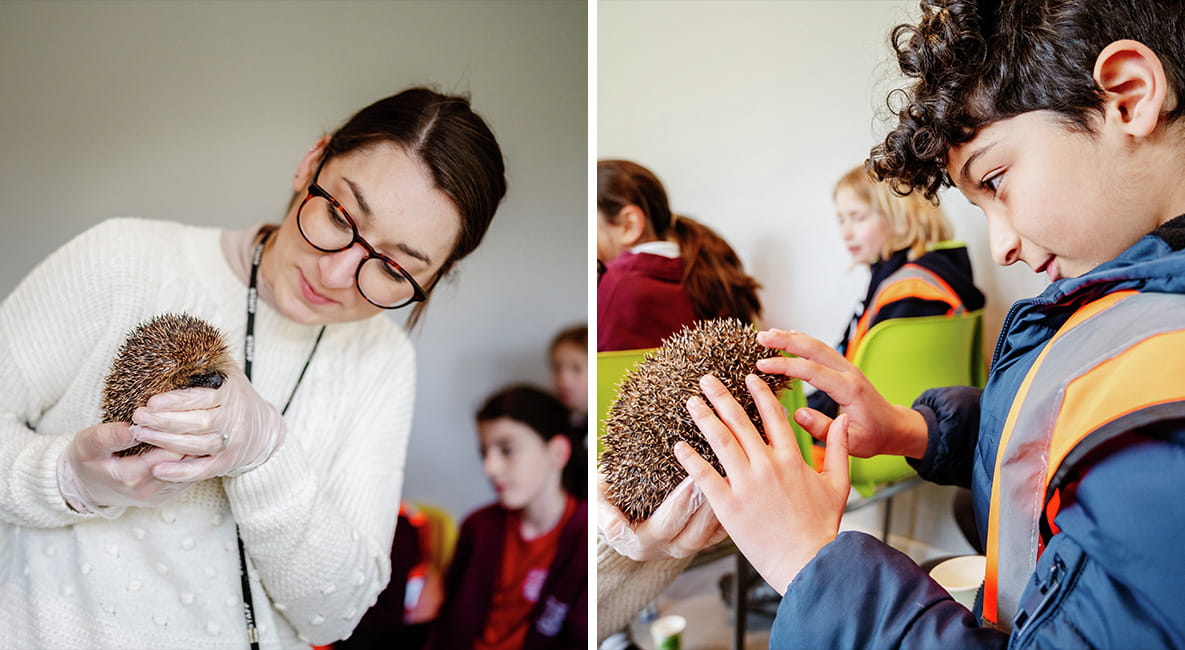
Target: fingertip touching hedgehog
(650, 413)
(164, 353)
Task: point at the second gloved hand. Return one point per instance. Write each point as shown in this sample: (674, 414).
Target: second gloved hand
(223, 432)
(683, 525)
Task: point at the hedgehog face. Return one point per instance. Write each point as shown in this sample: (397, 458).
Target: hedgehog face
(163, 354)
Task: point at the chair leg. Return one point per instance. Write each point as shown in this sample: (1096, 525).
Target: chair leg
(888, 519)
(740, 603)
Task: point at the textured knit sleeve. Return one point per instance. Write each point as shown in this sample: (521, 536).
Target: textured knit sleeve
(320, 540)
(49, 327)
(624, 586)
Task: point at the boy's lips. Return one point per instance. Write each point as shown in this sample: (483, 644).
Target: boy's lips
(1049, 267)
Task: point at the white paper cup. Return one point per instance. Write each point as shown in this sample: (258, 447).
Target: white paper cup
(667, 632)
(961, 576)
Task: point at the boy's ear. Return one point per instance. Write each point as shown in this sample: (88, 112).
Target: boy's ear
(560, 449)
(1134, 85)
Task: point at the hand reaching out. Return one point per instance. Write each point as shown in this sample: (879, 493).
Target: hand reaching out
(876, 427)
(777, 509)
(682, 525)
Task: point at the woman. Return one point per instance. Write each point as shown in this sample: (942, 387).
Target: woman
(304, 457)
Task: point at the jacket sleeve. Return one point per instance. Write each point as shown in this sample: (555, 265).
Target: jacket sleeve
(860, 593)
(952, 422)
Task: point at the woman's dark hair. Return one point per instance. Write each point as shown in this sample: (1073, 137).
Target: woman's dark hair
(978, 62)
(547, 416)
(457, 147)
(713, 274)
(576, 335)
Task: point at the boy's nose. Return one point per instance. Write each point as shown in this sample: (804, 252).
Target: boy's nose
(338, 269)
(1005, 243)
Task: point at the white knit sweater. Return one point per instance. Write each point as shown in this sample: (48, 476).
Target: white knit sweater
(317, 518)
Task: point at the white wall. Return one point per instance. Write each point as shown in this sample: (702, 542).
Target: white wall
(749, 112)
(199, 112)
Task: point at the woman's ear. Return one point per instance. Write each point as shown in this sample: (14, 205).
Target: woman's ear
(308, 165)
(634, 225)
(1134, 85)
(560, 450)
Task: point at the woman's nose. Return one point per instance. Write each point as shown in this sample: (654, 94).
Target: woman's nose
(338, 269)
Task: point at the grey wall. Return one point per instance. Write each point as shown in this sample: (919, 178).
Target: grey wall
(199, 112)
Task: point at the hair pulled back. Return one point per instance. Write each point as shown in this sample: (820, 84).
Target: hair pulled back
(452, 142)
(977, 62)
(713, 274)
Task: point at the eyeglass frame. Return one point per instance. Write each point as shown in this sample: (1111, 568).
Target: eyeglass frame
(418, 293)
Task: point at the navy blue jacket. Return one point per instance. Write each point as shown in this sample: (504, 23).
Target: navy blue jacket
(1118, 554)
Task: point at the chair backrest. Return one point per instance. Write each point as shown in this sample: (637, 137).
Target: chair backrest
(903, 357)
(442, 531)
(612, 367)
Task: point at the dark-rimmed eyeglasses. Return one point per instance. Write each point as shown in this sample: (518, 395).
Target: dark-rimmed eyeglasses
(329, 228)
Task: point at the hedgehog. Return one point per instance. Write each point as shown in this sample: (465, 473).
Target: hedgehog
(165, 353)
(650, 413)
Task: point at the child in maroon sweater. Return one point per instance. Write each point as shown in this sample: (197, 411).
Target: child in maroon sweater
(519, 576)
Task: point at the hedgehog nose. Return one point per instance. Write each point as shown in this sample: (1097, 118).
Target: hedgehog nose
(212, 379)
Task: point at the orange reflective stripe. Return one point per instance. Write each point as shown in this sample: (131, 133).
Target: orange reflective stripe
(916, 288)
(991, 577)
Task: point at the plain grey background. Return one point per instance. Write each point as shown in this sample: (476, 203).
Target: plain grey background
(199, 112)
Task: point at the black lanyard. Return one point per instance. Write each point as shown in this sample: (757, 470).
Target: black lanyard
(249, 358)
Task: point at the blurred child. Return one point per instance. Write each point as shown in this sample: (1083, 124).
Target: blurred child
(1062, 122)
(914, 270)
(661, 271)
(519, 576)
(568, 357)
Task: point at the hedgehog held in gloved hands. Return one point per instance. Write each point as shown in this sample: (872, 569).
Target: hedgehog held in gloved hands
(650, 413)
(165, 353)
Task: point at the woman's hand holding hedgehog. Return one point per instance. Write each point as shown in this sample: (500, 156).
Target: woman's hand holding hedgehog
(92, 475)
(681, 526)
(223, 432)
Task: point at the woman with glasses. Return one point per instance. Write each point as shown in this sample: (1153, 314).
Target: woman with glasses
(264, 512)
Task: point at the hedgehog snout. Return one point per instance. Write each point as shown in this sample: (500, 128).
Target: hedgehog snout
(208, 379)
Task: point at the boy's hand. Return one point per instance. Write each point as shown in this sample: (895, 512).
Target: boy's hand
(683, 525)
(876, 427)
(777, 509)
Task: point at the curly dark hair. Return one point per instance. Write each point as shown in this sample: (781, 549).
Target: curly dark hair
(978, 62)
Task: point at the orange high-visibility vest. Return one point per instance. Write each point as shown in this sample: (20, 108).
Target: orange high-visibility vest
(909, 281)
(1115, 365)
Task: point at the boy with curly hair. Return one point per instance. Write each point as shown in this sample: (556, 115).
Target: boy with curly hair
(1062, 122)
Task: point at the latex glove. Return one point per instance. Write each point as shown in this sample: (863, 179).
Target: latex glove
(876, 426)
(777, 509)
(222, 432)
(682, 525)
(92, 479)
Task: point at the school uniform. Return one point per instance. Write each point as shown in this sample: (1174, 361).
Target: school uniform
(641, 299)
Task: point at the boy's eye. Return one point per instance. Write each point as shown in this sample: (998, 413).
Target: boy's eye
(991, 183)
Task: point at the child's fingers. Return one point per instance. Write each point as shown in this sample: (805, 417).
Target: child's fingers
(721, 439)
(773, 416)
(734, 417)
(714, 487)
(813, 422)
(835, 463)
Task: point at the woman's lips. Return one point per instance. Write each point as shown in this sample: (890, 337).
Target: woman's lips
(311, 294)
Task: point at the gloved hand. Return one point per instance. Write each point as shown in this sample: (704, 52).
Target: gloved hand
(222, 432)
(92, 478)
(683, 525)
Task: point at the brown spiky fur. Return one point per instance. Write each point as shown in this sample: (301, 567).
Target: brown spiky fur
(650, 413)
(164, 353)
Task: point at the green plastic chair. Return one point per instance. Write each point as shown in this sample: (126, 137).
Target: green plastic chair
(903, 357)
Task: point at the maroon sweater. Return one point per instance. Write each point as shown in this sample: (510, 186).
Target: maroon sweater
(641, 301)
(560, 618)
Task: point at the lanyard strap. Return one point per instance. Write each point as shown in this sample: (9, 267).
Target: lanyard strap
(248, 360)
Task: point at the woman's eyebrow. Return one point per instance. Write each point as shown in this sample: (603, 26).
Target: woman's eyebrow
(366, 212)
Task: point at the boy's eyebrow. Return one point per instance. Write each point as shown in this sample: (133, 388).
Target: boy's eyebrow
(965, 171)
